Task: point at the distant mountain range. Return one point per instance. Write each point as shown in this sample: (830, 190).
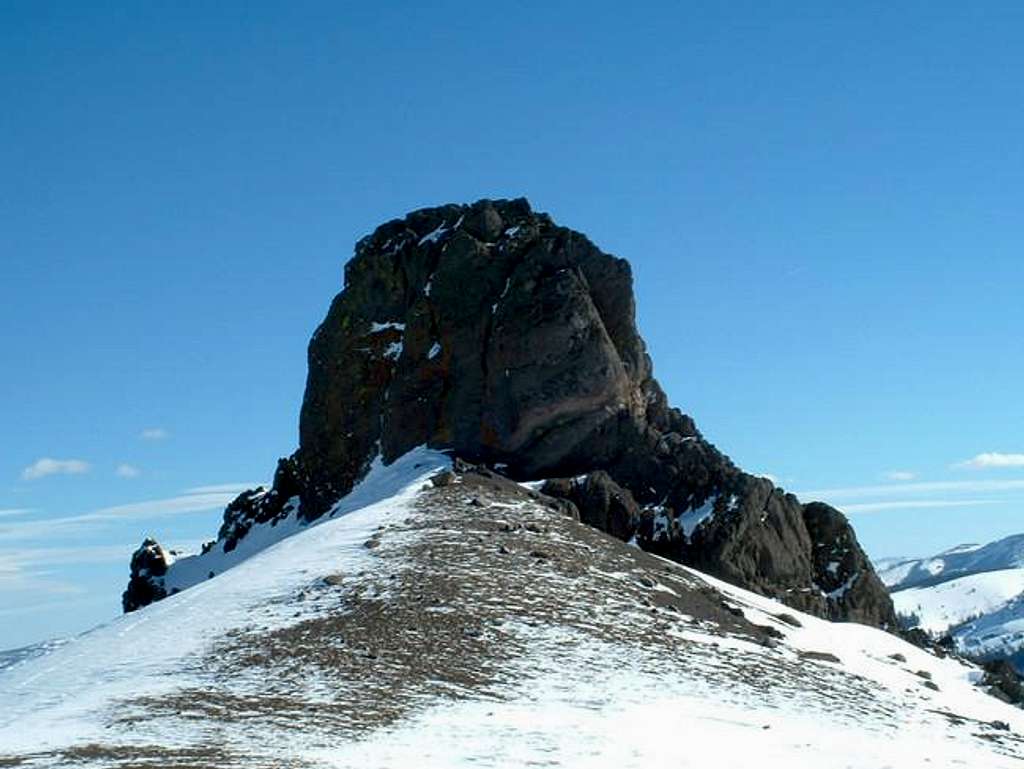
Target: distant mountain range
(974, 593)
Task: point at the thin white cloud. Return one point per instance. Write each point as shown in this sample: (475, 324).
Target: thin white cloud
(187, 503)
(900, 475)
(34, 557)
(15, 582)
(913, 504)
(127, 471)
(33, 570)
(920, 487)
(12, 511)
(29, 575)
(49, 466)
(155, 508)
(154, 434)
(992, 459)
(226, 488)
(22, 558)
(48, 607)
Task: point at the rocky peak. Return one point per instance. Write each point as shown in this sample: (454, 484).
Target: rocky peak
(485, 329)
(491, 332)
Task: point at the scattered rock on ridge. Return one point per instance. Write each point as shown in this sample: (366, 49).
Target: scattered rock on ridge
(489, 331)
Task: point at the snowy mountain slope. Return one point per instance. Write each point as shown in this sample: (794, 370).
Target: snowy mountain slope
(474, 624)
(947, 604)
(1007, 553)
(381, 482)
(13, 657)
(974, 593)
(998, 634)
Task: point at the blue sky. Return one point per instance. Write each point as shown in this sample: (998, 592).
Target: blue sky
(821, 205)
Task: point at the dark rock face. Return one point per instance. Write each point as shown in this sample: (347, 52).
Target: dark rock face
(490, 331)
(483, 329)
(261, 506)
(601, 502)
(149, 565)
(844, 572)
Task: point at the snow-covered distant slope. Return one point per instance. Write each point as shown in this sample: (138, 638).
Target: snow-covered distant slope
(947, 604)
(998, 634)
(474, 624)
(974, 593)
(1007, 553)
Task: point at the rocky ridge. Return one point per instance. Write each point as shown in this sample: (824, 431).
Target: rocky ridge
(490, 332)
(459, 618)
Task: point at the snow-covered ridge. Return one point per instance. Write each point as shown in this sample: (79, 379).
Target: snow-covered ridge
(996, 634)
(575, 650)
(54, 696)
(948, 604)
(1007, 553)
(381, 482)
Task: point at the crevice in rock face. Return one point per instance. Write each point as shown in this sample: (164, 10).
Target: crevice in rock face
(486, 351)
(552, 380)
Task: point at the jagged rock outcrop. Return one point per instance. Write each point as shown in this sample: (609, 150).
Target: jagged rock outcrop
(600, 502)
(145, 584)
(492, 332)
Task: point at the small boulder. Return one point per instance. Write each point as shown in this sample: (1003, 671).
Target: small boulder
(819, 656)
(443, 478)
(599, 502)
(771, 632)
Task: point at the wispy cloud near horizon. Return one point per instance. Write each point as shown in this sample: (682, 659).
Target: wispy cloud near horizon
(154, 508)
(10, 512)
(919, 487)
(154, 434)
(913, 504)
(226, 488)
(30, 572)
